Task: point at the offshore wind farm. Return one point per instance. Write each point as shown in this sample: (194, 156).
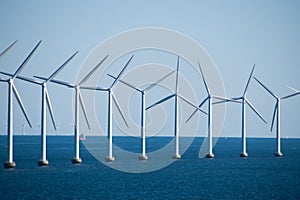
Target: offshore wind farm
(149, 100)
(112, 99)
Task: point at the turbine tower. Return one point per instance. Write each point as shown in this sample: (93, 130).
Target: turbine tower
(78, 103)
(244, 101)
(13, 90)
(143, 156)
(175, 95)
(45, 103)
(277, 113)
(209, 100)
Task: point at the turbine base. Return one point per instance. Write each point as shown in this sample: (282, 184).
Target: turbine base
(110, 159)
(210, 155)
(76, 160)
(9, 165)
(43, 162)
(278, 154)
(176, 156)
(143, 157)
(244, 155)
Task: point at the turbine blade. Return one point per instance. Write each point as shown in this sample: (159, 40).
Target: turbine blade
(161, 101)
(249, 79)
(190, 103)
(56, 81)
(274, 113)
(292, 88)
(7, 74)
(257, 113)
(23, 78)
(21, 104)
(93, 88)
(226, 99)
(8, 48)
(119, 110)
(40, 77)
(26, 60)
(291, 95)
(64, 83)
(194, 112)
(121, 72)
(201, 104)
(160, 80)
(31, 80)
(50, 109)
(266, 88)
(190, 117)
(92, 71)
(234, 100)
(177, 74)
(202, 75)
(126, 83)
(2, 80)
(84, 110)
(61, 67)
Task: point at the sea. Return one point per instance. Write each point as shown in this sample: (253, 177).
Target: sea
(227, 176)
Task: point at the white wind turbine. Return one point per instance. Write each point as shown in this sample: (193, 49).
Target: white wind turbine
(244, 101)
(45, 103)
(277, 113)
(13, 90)
(143, 156)
(78, 103)
(209, 100)
(175, 95)
(8, 48)
(4, 52)
(111, 98)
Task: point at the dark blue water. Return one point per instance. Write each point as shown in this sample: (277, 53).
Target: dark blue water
(260, 176)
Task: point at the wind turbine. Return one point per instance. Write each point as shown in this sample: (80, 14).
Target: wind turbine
(277, 113)
(209, 100)
(143, 156)
(45, 102)
(175, 95)
(78, 103)
(8, 48)
(110, 157)
(13, 90)
(79, 98)
(244, 101)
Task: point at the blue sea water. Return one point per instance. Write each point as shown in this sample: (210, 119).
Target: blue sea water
(227, 176)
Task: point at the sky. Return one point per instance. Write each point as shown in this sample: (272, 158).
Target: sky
(236, 35)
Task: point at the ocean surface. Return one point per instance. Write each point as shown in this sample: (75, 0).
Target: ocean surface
(227, 176)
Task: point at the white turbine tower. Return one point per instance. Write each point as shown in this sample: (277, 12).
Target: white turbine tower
(277, 113)
(45, 103)
(209, 100)
(143, 156)
(13, 90)
(78, 103)
(244, 101)
(111, 98)
(175, 95)
(8, 48)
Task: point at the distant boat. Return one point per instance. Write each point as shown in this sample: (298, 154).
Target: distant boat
(82, 137)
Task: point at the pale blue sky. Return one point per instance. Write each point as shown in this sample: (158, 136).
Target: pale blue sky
(236, 34)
